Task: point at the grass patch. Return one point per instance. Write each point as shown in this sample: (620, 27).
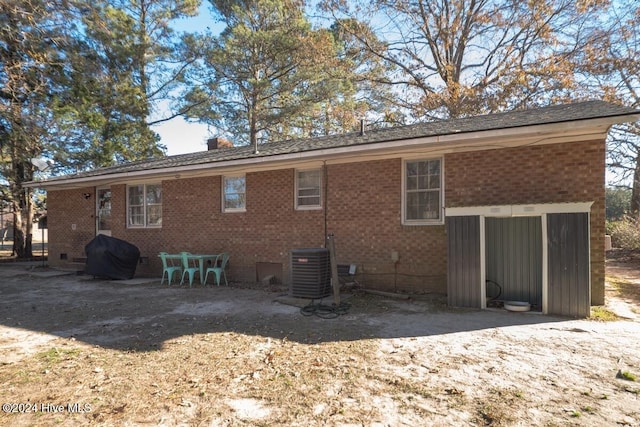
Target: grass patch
(404, 386)
(625, 288)
(603, 314)
(495, 416)
(626, 375)
(55, 355)
(20, 377)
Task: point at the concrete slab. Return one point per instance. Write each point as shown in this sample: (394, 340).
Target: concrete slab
(12, 269)
(50, 273)
(303, 302)
(140, 281)
(294, 301)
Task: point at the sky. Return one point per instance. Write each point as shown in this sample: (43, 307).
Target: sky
(178, 135)
(181, 137)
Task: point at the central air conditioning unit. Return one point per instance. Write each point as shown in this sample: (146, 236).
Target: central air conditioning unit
(310, 273)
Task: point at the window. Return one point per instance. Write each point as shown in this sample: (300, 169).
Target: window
(422, 202)
(103, 208)
(234, 194)
(308, 184)
(144, 205)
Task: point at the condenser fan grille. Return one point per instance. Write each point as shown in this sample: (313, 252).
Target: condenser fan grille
(310, 273)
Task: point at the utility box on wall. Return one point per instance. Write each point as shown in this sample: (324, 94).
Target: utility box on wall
(310, 273)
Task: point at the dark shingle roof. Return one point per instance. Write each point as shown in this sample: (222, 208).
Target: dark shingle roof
(547, 115)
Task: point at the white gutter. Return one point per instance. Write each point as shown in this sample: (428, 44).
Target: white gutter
(463, 141)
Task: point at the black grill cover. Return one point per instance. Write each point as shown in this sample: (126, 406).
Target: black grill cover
(111, 258)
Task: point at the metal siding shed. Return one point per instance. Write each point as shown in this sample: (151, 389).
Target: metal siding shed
(463, 263)
(568, 258)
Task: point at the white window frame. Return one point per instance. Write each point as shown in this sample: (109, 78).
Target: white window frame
(145, 206)
(297, 196)
(435, 221)
(224, 193)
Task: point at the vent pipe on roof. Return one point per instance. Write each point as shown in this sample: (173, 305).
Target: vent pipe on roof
(362, 127)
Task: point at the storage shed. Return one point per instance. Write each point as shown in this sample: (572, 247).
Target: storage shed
(538, 254)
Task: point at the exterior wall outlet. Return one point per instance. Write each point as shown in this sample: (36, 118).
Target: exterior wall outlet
(73, 226)
(395, 256)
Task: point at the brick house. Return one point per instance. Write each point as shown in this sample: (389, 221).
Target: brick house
(453, 206)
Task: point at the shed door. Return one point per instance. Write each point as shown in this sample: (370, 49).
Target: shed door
(514, 257)
(463, 261)
(568, 259)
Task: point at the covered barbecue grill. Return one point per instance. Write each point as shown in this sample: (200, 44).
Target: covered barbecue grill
(111, 258)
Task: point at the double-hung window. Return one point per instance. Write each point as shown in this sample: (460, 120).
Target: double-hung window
(234, 194)
(422, 192)
(308, 185)
(144, 205)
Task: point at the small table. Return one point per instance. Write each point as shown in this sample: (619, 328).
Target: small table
(201, 258)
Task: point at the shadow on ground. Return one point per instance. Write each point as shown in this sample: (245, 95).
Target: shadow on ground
(141, 315)
(624, 269)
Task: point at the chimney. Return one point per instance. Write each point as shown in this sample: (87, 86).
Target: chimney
(218, 143)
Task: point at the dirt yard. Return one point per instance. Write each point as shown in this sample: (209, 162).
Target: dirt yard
(79, 351)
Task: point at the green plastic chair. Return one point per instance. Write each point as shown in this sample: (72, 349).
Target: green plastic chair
(218, 271)
(187, 269)
(167, 269)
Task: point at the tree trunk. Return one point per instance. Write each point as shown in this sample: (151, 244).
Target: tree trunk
(23, 225)
(635, 191)
(253, 125)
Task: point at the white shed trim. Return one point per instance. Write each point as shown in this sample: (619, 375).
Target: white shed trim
(519, 210)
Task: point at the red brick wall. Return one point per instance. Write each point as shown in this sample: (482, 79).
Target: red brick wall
(363, 212)
(572, 172)
(193, 221)
(66, 210)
